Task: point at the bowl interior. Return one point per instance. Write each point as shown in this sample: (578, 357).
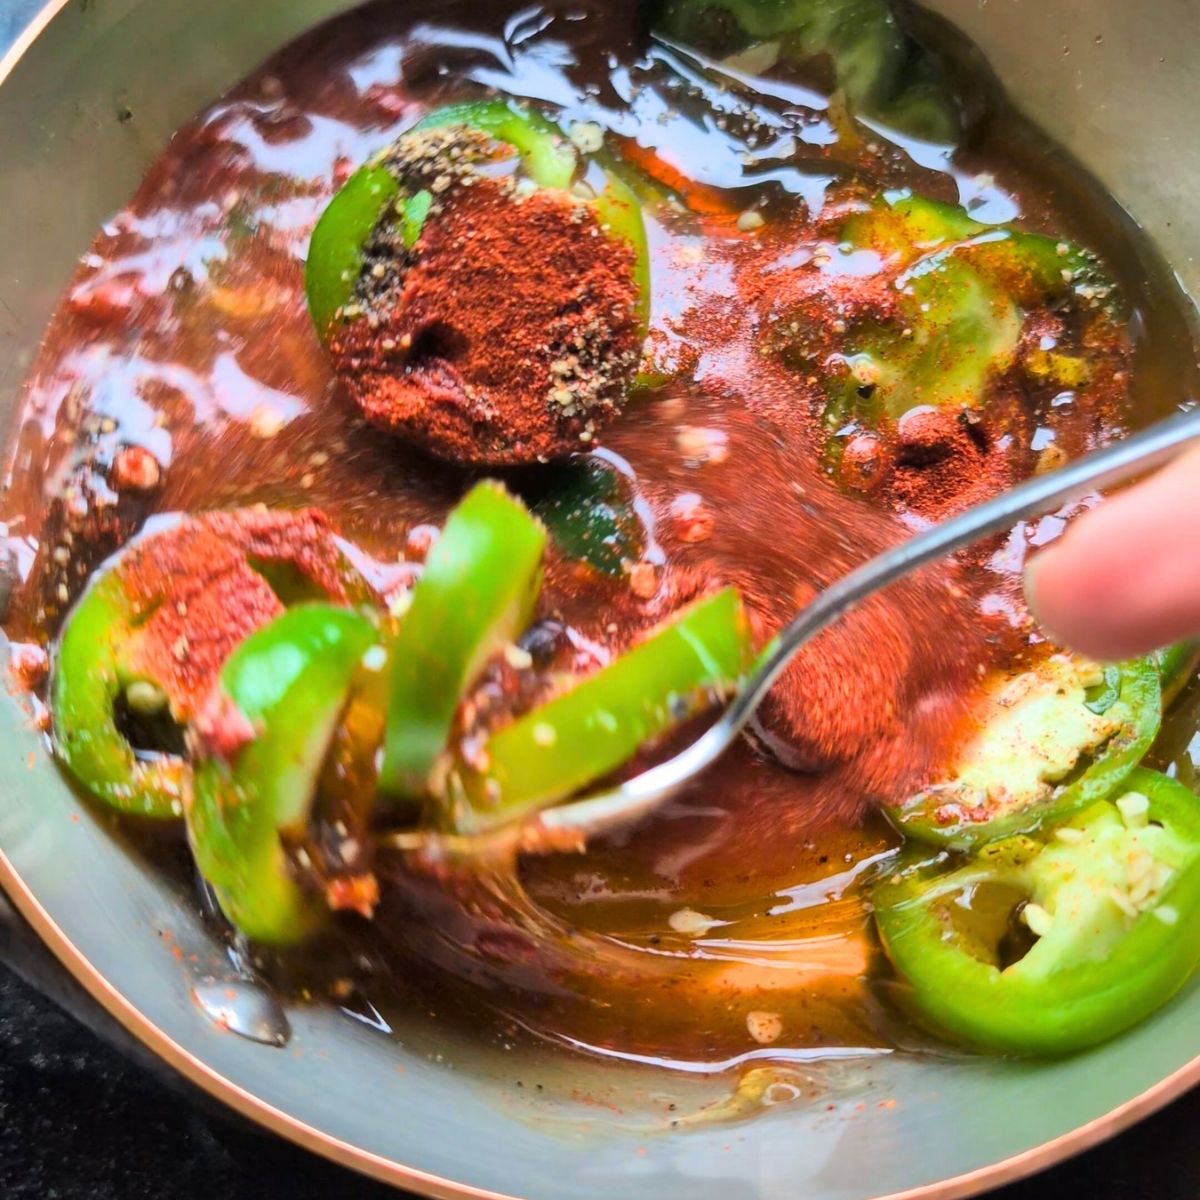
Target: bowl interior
(1105, 82)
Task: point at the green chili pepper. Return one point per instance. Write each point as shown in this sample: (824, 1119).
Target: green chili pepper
(476, 594)
(335, 252)
(596, 726)
(1030, 267)
(960, 294)
(1053, 741)
(587, 507)
(1106, 910)
(92, 669)
(878, 69)
(128, 640)
(373, 194)
(953, 332)
(1177, 664)
(289, 681)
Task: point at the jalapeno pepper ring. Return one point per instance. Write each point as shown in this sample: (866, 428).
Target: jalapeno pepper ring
(338, 245)
(1071, 742)
(1110, 902)
(959, 302)
(155, 626)
(482, 288)
(89, 676)
(281, 694)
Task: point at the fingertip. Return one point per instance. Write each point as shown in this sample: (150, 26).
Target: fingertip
(1119, 583)
(1044, 600)
(1033, 570)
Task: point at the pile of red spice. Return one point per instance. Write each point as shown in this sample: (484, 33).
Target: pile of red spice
(933, 462)
(507, 334)
(199, 597)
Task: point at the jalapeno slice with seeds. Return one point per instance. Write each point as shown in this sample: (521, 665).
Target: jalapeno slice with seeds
(1051, 946)
(1049, 742)
(374, 194)
(154, 626)
(960, 295)
(91, 673)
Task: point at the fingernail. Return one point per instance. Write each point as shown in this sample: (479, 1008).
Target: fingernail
(1033, 567)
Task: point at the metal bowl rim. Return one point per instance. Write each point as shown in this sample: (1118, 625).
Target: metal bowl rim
(196, 1071)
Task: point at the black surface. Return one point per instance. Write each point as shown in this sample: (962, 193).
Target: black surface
(79, 1122)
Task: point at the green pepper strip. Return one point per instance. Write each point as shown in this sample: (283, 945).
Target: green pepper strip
(335, 254)
(933, 817)
(583, 734)
(1177, 664)
(290, 681)
(1106, 956)
(477, 592)
(90, 673)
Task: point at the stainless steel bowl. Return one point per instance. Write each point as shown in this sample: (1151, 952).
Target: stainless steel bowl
(1112, 81)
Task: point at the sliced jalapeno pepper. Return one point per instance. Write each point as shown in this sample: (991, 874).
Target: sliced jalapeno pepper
(588, 510)
(1030, 267)
(878, 69)
(1106, 910)
(951, 334)
(287, 685)
(373, 194)
(153, 628)
(957, 319)
(1050, 742)
(90, 674)
(590, 730)
(1177, 664)
(476, 594)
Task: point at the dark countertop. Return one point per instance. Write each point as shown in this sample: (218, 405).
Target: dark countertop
(80, 1122)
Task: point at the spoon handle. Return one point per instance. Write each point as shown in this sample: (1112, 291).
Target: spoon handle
(1117, 463)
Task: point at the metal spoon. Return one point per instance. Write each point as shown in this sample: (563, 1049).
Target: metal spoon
(570, 825)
